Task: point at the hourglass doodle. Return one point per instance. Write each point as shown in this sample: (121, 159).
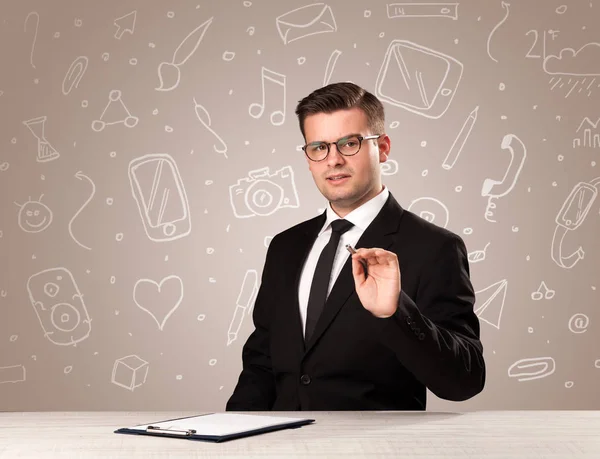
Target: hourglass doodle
(45, 151)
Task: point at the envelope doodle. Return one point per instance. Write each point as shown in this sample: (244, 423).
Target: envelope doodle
(305, 21)
(418, 79)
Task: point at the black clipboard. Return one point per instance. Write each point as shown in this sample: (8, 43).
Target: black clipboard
(262, 424)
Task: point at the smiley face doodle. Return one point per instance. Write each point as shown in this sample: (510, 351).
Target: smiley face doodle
(34, 216)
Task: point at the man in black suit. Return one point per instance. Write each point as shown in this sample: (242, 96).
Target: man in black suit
(332, 335)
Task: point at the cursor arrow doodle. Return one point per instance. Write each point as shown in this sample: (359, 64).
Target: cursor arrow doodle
(125, 24)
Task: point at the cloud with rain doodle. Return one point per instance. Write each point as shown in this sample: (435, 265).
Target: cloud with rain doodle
(583, 62)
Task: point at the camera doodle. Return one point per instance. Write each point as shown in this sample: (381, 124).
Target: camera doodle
(262, 193)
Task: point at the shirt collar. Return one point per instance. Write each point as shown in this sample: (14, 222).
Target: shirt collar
(362, 216)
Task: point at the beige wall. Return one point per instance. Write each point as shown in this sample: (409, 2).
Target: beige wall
(108, 305)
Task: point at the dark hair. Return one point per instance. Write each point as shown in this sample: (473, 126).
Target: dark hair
(342, 96)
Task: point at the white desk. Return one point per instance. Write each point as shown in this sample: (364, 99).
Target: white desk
(493, 434)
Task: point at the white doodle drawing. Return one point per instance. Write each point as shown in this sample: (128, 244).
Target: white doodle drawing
(160, 300)
(333, 58)
(418, 79)
(74, 74)
(159, 193)
(543, 292)
(45, 151)
(578, 323)
(590, 138)
(4, 166)
(570, 62)
(130, 121)
(12, 374)
(389, 167)
(478, 255)
(80, 176)
(460, 140)
(544, 366)
(34, 216)
(570, 217)
(130, 372)
(37, 23)
(125, 24)
(562, 9)
(245, 299)
(495, 189)
(502, 21)
(542, 45)
(576, 69)
(305, 21)
(422, 10)
(263, 193)
(492, 299)
(204, 117)
(169, 73)
(59, 306)
(431, 209)
(277, 82)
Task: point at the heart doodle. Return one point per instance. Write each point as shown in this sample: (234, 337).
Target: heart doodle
(160, 300)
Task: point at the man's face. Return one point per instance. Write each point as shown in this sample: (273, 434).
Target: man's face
(362, 171)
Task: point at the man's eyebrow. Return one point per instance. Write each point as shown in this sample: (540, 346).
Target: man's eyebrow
(344, 137)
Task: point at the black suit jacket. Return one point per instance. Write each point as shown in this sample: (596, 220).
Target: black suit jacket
(354, 360)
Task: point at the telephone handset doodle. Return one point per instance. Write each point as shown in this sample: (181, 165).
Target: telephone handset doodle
(495, 189)
(570, 217)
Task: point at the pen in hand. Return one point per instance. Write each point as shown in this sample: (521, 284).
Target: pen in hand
(361, 260)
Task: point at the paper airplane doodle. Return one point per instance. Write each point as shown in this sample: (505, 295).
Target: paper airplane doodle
(492, 299)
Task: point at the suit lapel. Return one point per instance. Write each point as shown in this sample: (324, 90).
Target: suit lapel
(380, 233)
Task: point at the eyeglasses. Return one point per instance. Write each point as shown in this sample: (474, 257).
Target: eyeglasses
(347, 146)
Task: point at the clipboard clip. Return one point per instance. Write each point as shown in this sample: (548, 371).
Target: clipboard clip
(185, 433)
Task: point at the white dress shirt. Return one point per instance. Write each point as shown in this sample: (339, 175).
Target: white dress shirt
(361, 217)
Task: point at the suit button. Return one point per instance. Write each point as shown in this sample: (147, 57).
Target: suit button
(422, 336)
(305, 379)
(408, 321)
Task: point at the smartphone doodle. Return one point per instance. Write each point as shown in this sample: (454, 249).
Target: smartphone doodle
(418, 79)
(59, 306)
(570, 217)
(160, 195)
(495, 189)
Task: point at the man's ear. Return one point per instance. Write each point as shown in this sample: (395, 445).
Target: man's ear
(384, 144)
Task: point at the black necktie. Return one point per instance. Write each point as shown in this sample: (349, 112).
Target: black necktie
(320, 283)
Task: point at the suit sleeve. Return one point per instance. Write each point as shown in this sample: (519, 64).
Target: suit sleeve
(255, 389)
(436, 337)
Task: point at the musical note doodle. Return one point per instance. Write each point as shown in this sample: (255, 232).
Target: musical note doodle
(276, 81)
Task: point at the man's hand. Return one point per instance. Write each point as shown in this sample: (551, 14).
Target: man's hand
(379, 292)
